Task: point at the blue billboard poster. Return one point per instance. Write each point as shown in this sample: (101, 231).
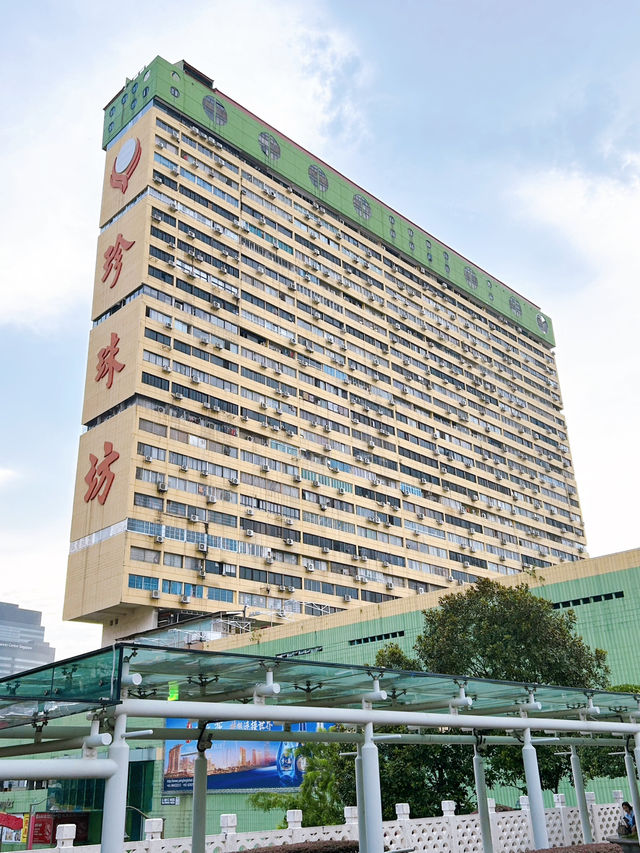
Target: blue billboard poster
(235, 765)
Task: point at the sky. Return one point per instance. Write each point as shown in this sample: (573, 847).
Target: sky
(509, 130)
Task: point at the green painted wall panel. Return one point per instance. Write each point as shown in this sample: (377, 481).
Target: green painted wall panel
(242, 130)
(612, 625)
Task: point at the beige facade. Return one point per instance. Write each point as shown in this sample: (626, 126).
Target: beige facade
(279, 449)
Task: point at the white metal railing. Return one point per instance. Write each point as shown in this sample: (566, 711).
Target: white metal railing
(448, 833)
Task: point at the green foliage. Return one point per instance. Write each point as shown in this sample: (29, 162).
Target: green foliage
(393, 657)
(507, 633)
(493, 631)
(487, 631)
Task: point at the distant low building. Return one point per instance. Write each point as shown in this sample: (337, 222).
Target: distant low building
(22, 644)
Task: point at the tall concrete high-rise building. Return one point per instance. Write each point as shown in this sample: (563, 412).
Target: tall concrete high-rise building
(297, 401)
(22, 643)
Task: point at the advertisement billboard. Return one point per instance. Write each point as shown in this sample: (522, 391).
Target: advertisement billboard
(236, 765)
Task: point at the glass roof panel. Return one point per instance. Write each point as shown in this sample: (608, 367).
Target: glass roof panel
(62, 688)
(93, 680)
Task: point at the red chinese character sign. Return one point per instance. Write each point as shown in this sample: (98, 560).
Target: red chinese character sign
(99, 478)
(113, 259)
(125, 164)
(108, 365)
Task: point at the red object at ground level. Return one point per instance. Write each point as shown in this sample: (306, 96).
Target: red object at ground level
(11, 821)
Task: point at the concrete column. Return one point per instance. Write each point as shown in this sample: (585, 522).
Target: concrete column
(351, 815)
(199, 813)
(153, 827)
(590, 797)
(578, 784)
(362, 824)
(534, 792)
(402, 811)
(115, 791)
(560, 804)
(483, 805)
(632, 780)
(228, 824)
(294, 825)
(371, 791)
(449, 813)
(65, 835)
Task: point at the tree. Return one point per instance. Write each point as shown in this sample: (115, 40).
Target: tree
(487, 631)
(492, 631)
(420, 775)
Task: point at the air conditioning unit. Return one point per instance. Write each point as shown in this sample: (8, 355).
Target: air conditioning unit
(420, 590)
(234, 481)
(326, 550)
(288, 541)
(265, 469)
(148, 458)
(203, 547)
(155, 593)
(162, 486)
(211, 499)
(248, 532)
(185, 599)
(159, 539)
(194, 517)
(389, 584)
(315, 483)
(346, 598)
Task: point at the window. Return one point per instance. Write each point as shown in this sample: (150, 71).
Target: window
(148, 501)
(318, 178)
(362, 206)
(144, 555)
(219, 594)
(269, 145)
(214, 110)
(142, 582)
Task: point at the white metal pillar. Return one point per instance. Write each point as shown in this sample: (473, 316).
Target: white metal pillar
(633, 781)
(636, 755)
(371, 791)
(362, 824)
(199, 820)
(534, 792)
(483, 805)
(578, 784)
(115, 791)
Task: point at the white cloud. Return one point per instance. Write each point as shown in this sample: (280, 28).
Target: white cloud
(34, 569)
(597, 328)
(6, 476)
(282, 59)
